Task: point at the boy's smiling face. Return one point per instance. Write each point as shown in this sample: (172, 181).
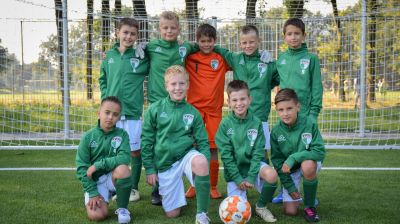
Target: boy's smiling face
(127, 35)
(294, 36)
(239, 102)
(177, 86)
(169, 29)
(249, 42)
(206, 44)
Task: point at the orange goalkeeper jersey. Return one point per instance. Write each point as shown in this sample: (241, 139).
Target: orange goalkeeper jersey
(207, 81)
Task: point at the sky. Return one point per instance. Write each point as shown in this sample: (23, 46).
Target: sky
(36, 15)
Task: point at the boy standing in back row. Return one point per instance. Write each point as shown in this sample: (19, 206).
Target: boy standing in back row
(206, 93)
(122, 75)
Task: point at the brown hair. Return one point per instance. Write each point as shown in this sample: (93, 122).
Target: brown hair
(249, 28)
(295, 22)
(113, 99)
(129, 22)
(206, 30)
(237, 85)
(286, 95)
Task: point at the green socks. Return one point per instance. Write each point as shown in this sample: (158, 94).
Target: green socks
(310, 192)
(202, 185)
(266, 195)
(136, 167)
(123, 187)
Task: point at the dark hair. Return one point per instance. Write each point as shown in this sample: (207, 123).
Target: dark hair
(129, 22)
(206, 30)
(237, 85)
(249, 28)
(286, 95)
(113, 99)
(295, 22)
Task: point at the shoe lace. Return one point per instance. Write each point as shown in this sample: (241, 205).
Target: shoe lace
(202, 218)
(310, 212)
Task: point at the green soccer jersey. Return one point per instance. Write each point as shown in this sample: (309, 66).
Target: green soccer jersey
(241, 143)
(260, 77)
(292, 145)
(169, 131)
(122, 75)
(164, 54)
(105, 151)
(300, 70)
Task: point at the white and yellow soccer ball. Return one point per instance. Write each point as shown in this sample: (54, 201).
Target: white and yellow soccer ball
(235, 210)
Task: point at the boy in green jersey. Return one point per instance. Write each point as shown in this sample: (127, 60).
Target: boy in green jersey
(122, 75)
(297, 151)
(102, 162)
(300, 70)
(241, 141)
(258, 70)
(171, 127)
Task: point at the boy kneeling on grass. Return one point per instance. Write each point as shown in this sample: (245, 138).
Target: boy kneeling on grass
(297, 151)
(102, 164)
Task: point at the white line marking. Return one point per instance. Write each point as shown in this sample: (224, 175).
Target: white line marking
(221, 168)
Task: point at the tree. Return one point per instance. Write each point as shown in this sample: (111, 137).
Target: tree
(295, 8)
(89, 50)
(105, 24)
(372, 30)
(140, 13)
(192, 16)
(250, 11)
(340, 70)
(117, 11)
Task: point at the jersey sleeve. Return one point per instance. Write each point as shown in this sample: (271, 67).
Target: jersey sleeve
(278, 159)
(316, 89)
(227, 154)
(226, 54)
(83, 163)
(148, 141)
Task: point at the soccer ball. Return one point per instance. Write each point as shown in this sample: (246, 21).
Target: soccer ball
(235, 210)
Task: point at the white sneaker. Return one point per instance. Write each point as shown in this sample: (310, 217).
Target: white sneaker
(123, 215)
(265, 214)
(202, 218)
(135, 196)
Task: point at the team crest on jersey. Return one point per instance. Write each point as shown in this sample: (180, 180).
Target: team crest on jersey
(283, 62)
(230, 132)
(304, 63)
(188, 120)
(93, 144)
(158, 49)
(134, 63)
(281, 138)
(262, 68)
(111, 60)
(116, 142)
(214, 64)
(182, 52)
(163, 114)
(252, 135)
(306, 139)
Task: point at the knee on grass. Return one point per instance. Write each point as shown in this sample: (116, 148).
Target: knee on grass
(99, 214)
(174, 213)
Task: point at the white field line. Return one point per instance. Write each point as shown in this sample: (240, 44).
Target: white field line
(221, 168)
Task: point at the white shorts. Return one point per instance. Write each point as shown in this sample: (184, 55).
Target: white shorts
(105, 187)
(233, 188)
(134, 129)
(171, 183)
(296, 177)
(266, 134)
